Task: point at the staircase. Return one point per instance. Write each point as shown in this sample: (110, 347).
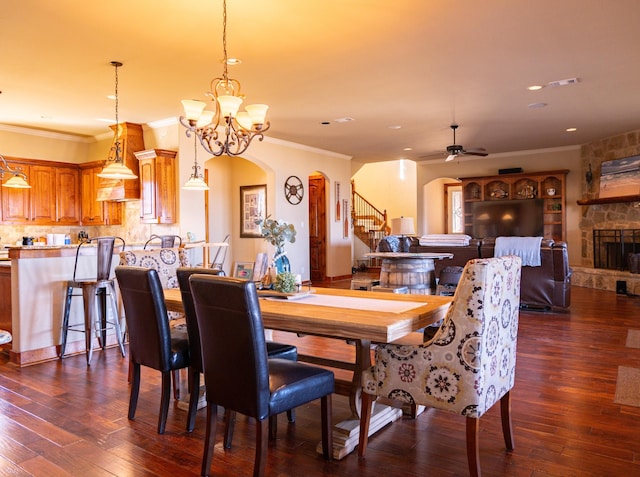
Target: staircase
(369, 226)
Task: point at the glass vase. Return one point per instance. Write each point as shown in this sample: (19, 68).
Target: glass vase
(281, 261)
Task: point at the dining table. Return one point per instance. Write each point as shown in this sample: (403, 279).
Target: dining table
(363, 318)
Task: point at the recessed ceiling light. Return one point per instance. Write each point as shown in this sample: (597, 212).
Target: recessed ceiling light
(408, 149)
(571, 129)
(395, 126)
(535, 87)
(111, 96)
(344, 120)
(536, 105)
(233, 61)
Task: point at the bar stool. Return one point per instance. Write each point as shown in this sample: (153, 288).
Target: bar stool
(166, 241)
(97, 293)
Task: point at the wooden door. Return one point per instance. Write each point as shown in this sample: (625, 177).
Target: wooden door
(317, 229)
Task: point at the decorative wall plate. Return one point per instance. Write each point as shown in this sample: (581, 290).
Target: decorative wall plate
(293, 190)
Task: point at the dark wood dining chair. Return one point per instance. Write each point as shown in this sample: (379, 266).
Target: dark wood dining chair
(237, 372)
(152, 342)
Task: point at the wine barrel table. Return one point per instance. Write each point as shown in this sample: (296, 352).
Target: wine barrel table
(416, 271)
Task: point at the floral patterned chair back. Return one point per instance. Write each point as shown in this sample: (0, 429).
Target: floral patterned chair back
(164, 260)
(469, 364)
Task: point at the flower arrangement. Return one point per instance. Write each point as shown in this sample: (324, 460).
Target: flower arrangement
(285, 282)
(277, 233)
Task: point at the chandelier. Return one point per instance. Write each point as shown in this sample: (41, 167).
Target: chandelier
(225, 130)
(115, 167)
(19, 179)
(196, 180)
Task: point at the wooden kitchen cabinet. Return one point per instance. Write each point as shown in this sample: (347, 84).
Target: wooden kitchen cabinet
(52, 199)
(96, 212)
(158, 169)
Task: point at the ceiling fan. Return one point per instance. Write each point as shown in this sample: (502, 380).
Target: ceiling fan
(456, 150)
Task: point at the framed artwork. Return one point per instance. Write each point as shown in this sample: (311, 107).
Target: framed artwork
(243, 270)
(345, 222)
(253, 205)
(338, 202)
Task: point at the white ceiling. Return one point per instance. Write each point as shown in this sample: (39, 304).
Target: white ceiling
(418, 64)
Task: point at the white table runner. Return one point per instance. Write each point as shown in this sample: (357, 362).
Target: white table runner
(373, 304)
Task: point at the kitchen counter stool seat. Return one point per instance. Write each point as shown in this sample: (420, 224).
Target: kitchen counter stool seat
(98, 294)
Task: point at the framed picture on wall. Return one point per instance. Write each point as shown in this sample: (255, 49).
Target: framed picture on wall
(337, 201)
(243, 270)
(253, 206)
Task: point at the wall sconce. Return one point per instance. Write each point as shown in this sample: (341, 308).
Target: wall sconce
(589, 176)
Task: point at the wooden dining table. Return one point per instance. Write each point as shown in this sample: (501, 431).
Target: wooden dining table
(359, 317)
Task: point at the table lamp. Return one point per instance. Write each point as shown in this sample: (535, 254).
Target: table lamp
(403, 226)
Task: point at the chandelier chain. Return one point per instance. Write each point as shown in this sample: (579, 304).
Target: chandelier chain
(224, 41)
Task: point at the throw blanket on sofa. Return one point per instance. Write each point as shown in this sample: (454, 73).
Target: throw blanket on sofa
(527, 248)
(445, 240)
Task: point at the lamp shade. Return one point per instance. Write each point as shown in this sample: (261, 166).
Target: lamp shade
(195, 183)
(192, 109)
(402, 226)
(117, 170)
(17, 182)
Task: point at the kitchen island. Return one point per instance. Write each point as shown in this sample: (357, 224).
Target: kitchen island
(38, 289)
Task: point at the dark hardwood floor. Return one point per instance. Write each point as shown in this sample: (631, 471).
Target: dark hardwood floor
(67, 419)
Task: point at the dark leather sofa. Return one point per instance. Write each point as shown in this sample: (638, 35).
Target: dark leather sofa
(547, 287)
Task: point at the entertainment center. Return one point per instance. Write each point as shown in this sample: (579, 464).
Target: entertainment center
(517, 204)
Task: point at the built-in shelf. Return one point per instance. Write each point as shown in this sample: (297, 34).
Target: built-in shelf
(610, 200)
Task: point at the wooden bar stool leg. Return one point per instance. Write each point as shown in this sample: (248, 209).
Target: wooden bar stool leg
(89, 297)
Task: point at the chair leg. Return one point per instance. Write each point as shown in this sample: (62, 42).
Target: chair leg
(327, 431)
(365, 421)
(89, 297)
(273, 427)
(176, 384)
(473, 446)
(229, 424)
(262, 444)
(505, 412)
(291, 415)
(164, 401)
(134, 369)
(194, 385)
(210, 438)
(65, 321)
(116, 318)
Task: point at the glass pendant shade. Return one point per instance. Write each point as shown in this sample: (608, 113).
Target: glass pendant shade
(195, 183)
(192, 109)
(229, 105)
(117, 170)
(258, 113)
(17, 182)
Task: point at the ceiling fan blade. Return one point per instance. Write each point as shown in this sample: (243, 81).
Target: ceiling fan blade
(476, 152)
(450, 157)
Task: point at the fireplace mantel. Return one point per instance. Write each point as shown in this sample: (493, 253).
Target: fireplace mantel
(610, 200)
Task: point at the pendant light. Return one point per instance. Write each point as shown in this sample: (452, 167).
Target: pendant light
(196, 180)
(19, 179)
(115, 167)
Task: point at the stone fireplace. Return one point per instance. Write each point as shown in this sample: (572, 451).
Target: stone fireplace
(622, 215)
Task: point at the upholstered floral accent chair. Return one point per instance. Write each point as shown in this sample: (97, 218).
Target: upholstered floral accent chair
(470, 362)
(164, 260)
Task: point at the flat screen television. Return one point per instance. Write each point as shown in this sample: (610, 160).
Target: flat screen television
(507, 218)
